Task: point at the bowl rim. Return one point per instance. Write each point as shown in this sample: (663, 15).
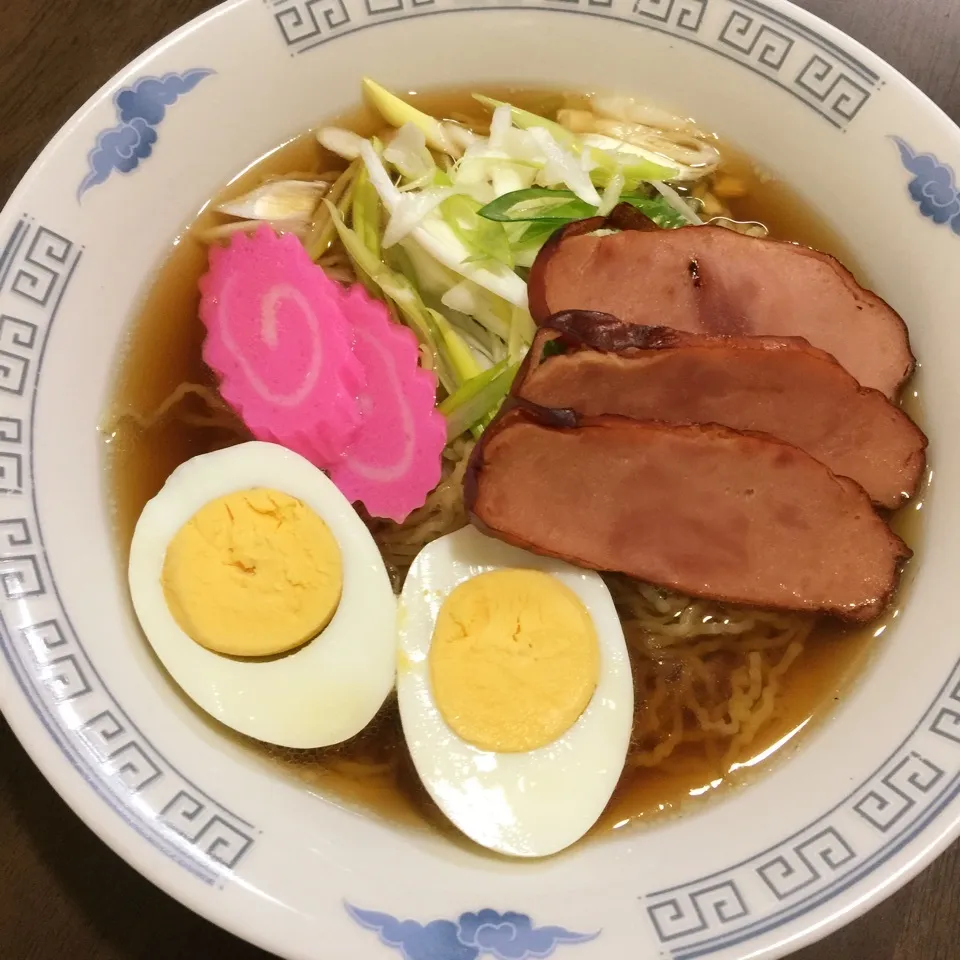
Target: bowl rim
(41, 745)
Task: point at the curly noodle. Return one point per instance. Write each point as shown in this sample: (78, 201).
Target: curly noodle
(702, 671)
(214, 414)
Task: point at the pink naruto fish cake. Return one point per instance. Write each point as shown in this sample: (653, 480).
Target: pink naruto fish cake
(394, 459)
(281, 346)
(323, 372)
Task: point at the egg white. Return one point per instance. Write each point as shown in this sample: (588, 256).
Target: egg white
(322, 693)
(522, 804)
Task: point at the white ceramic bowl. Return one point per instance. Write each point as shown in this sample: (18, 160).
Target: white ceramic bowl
(872, 795)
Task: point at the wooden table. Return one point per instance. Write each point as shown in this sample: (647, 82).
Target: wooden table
(63, 894)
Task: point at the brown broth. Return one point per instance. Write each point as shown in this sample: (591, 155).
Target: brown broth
(163, 351)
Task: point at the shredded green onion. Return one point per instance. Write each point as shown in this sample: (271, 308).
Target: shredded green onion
(526, 120)
(397, 112)
(485, 239)
(522, 332)
(557, 207)
(537, 203)
(535, 234)
(475, 403)
(461, 360)
(366, 216)
(634, 167)
(453, 361)
(323, 230)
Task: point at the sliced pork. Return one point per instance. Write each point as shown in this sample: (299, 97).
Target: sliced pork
(715, 281)
(702, 510)
(783, 387)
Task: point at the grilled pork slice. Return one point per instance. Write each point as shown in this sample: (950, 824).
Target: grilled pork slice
(702, 510)
(594, 364)
(719, 282)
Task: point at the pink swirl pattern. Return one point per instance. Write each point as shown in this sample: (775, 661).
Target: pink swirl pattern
(394, 460)
(278, 340)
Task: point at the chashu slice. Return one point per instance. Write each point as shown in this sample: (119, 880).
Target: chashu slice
(715, 281)
(594, 364)
(702, 510)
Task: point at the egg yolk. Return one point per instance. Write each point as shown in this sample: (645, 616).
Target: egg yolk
(253, 574)
(514, 660)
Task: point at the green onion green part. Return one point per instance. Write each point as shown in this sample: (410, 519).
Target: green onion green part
(477, 401)
(546, 205)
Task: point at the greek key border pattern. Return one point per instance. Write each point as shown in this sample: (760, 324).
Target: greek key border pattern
(867, 828)
(814, 70)
(37, 639)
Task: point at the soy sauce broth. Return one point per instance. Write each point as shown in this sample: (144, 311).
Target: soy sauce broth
(373, 772)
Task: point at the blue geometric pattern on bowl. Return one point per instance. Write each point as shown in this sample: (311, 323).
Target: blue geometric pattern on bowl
(933, 187)
(868, 827)
(38, 642)
(140, 108)
(768, 42)
(881, 816)
(486, 933)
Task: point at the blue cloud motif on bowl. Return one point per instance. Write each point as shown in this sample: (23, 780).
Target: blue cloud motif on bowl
(140, 108)
(486, 933)
(933, 187)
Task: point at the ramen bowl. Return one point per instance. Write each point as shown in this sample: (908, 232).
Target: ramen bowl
(869, 795)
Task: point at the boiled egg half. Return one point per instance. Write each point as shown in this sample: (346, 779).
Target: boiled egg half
(265, 596)
(515, 691)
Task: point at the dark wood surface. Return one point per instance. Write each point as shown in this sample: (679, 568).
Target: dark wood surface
(65, 895)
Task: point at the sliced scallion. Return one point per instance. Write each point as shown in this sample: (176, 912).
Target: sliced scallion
(526, 120)
(548, 206)
(475, 403)
(452, 359)
(537, 203)
(486, 239)
(322, 230)
(397, 112)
